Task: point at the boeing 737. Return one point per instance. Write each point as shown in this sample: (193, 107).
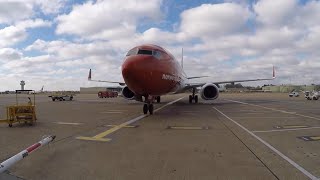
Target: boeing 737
(150, 71)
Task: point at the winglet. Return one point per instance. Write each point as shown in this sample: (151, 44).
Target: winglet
(89, 76)
(273, 73)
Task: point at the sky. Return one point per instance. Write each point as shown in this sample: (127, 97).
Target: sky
(55, 43)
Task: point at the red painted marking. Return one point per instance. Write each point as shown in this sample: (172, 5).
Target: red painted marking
(33, 147)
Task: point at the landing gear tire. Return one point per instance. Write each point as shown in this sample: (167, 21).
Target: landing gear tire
(190, 99)
(151, 108)
(158, 99)
(196, 98)
(145, 108)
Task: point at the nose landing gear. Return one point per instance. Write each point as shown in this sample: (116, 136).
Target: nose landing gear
(193, 96)
(148, 106)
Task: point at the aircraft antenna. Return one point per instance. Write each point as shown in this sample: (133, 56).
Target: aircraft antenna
(182, 58)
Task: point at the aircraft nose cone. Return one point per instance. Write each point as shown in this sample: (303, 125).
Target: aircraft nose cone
(134, 71)
(131, 67)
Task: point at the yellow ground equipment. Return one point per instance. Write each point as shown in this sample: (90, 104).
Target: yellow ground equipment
(21, 112)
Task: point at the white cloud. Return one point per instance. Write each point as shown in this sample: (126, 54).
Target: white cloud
(275, 12)
(17, 10)
(11, 11)
(7, 54)
(11, 35)
(107, 19)
(69, 50)
(271, 38)
(309, 14)
(49, 6)
(214, 20)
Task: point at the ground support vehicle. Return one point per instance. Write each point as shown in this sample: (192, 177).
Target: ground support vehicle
(107, 94)
(294, 94)
(19, 113)
(314, 95)
(62, 97)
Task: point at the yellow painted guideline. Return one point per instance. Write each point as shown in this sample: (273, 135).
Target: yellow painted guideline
(68, 123)
(315, 137)
(129, 126)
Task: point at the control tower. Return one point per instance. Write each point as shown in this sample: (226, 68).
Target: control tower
(22, 83)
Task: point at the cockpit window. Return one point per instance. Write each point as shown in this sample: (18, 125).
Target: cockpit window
(157, 54)
(135, 51)
(132, 52)
(145, 52)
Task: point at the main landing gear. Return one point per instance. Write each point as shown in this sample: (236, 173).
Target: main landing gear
(193, 96)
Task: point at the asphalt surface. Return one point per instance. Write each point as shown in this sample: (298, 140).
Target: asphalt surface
(238, 136)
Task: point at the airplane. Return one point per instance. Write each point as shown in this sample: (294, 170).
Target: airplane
(150, 71)
(40, 91)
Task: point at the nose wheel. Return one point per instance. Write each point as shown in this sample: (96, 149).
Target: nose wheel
(148, 107)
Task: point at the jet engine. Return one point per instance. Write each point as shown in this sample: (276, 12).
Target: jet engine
(127, 93)
(209, 92)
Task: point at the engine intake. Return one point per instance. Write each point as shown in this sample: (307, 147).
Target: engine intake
(209, 91)
(127, 93)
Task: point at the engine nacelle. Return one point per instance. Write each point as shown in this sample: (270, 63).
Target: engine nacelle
(127, 93)
(209, 91)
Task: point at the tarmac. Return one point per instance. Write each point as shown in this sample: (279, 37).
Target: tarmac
(237, 136)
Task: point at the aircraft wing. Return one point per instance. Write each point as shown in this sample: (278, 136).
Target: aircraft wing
(193, 85)
(89, 79)
(196, 77)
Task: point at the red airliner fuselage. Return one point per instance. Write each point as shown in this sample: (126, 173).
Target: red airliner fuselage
(150, 70)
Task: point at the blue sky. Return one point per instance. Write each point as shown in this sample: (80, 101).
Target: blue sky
(54, 43)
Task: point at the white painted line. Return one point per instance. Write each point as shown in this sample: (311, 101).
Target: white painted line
(111, 112)
(287, 112)
(119, 110)
(301, 169)
(168, 104)
(68, 123)
(293, 129)
(269, 117)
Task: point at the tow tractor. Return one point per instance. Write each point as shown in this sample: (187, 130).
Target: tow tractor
(21, 112)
